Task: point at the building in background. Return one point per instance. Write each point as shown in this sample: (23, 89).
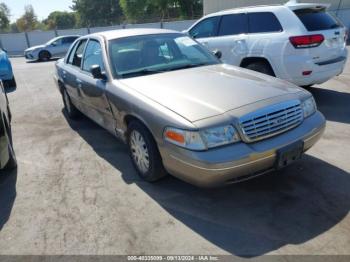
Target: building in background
(340, 8)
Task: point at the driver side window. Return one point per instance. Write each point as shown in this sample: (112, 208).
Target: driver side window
(206, 28)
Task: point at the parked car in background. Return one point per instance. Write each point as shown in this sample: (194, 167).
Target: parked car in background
(298, 42)
(56, 47)
(6, 73)
(7, 154)
(180, 110)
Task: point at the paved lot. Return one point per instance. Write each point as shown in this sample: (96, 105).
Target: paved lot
(75, 191)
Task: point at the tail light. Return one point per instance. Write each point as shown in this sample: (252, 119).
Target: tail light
(306, 41)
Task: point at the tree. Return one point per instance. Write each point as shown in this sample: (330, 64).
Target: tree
(97, 13)
(190, 9)
(60, 20)
(134, 10)
(4, 16)
(28, 21)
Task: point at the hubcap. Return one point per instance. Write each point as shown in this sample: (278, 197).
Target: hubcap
(67, 102)
(139, 151)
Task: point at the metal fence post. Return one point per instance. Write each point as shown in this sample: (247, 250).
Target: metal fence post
(27, 39)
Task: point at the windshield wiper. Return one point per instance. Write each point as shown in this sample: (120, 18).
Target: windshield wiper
(142, 72)
(188, 66)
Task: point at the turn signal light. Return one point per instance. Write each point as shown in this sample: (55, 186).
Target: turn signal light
(306, 41)
(174, 136)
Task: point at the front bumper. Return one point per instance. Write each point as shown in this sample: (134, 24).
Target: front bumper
(239, 161)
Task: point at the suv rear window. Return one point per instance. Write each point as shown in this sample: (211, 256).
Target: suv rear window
(316, 20)
(263, 22)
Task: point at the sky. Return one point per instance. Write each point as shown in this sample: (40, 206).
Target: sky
(42, 8)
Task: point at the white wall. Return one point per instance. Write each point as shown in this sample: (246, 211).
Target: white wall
(16, 43)
(38, 38)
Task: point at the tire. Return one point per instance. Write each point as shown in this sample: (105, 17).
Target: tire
(13, 83)
(141, 140)
(261, 67)
(12, 162)
(44, 56)
(71, 110)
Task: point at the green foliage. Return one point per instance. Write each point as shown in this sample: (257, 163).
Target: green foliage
(97, 13)
(4, 16)
(143, 10)
(60, 20)
(28, 21)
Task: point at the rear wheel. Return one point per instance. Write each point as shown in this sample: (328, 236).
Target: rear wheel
(144, 153)
(12, 162)
(261, 67)
(44, 56)
(70, 109)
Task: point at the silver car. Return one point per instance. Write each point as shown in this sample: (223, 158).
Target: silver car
(181, 111)
(56, 47)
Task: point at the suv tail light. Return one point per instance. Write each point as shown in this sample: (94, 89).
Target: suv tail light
(306, 41)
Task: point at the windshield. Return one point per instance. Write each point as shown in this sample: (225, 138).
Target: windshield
(151, 54)
(52, 40)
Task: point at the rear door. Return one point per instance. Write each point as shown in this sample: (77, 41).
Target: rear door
(71, 71)
(318, 22)
(232, 38)
(93, 92)
(66, 43)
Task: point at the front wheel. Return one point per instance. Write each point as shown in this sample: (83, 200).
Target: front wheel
(44, 56)
(144, 153)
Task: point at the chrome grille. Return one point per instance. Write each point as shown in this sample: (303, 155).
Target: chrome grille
(271, 120)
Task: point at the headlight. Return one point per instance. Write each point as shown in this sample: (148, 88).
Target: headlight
(202, 140)
(309, 107)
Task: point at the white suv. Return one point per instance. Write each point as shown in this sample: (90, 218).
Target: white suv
(300, 43)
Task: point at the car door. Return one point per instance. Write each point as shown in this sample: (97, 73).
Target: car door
(56, 48)
(66, 43)
(70, 73)
(93, 90)
(231, 39)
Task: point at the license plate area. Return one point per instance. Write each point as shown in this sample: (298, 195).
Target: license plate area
(289, 154)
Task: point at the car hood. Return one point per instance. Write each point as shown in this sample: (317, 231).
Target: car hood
(208, 91)
(35, 47)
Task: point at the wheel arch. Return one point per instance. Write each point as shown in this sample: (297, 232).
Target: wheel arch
(253, 59)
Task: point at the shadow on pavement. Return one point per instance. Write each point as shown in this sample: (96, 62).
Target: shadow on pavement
(38, 61)
(8, 181)
(248, 219)
(333, 104)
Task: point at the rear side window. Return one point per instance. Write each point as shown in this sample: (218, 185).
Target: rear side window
(69, 40)
(233, 24)
(77, 55)
(263, 22)
(316, 20)
(206, 28)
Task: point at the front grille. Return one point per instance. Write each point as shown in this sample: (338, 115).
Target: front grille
(271, 120)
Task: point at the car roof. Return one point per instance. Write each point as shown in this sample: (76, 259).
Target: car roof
(121, 33)
(293, 5)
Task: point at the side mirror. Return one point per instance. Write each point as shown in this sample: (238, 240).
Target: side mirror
(54, 44)
(97, 73)
(217, 53)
